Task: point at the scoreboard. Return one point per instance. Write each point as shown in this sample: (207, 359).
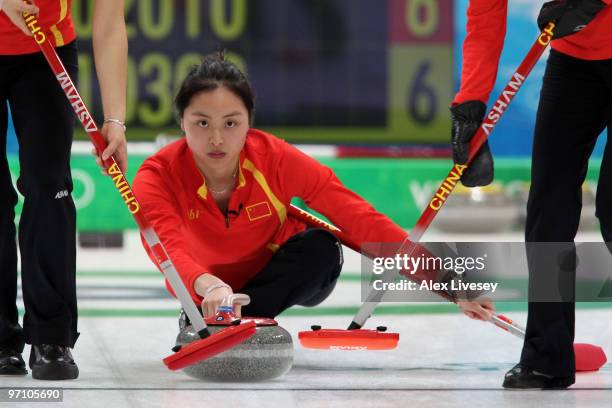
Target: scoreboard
(324, 71)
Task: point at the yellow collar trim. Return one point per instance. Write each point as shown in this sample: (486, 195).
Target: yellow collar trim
(203, 191)
(241, 179)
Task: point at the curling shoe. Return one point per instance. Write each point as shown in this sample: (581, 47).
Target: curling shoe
(521, 377)
(52, 362)
(11, 362)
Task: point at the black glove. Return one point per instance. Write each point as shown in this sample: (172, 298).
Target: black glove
(570, 16)
(466, 119)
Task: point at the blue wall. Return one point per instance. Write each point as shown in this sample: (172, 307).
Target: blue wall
(514, 134)
(11, 145)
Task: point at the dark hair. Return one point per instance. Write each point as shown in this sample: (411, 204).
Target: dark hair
(214, 72)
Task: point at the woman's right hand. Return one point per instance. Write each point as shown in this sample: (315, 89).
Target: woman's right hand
(14, 9)
(213, 290)
(213, 300)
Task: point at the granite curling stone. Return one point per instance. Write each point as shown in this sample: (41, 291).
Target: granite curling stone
(266, 355)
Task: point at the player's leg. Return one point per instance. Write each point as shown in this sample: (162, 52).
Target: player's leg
(569, 118)
(11, 333)
(604, 186)
(303, 272)
(44, 123)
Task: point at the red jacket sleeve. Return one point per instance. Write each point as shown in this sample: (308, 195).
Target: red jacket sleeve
(304, 177)
(482, 47)
(162, 212)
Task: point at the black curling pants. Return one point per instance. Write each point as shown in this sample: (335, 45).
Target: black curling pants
(44, 123)
(575, 107)
(303, 272)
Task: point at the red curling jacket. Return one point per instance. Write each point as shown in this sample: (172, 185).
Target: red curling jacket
(201, 239)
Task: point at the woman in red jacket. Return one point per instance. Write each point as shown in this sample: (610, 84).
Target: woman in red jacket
(218, 198)
(574, 109)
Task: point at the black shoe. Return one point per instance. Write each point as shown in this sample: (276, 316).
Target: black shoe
(52, 362)
(11, 362)
(521, 377)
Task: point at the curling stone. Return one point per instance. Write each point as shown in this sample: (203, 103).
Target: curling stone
(486, 209)
(266, 355)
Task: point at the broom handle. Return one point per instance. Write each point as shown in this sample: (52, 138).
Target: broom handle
(115, 172)
(507, 324)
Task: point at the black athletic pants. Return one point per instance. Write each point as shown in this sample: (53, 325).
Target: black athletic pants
(575, 107)
(44, 123)
(303, 272)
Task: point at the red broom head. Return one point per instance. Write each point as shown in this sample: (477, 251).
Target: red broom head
(211, 346)
(589, 357)
(336, 339)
